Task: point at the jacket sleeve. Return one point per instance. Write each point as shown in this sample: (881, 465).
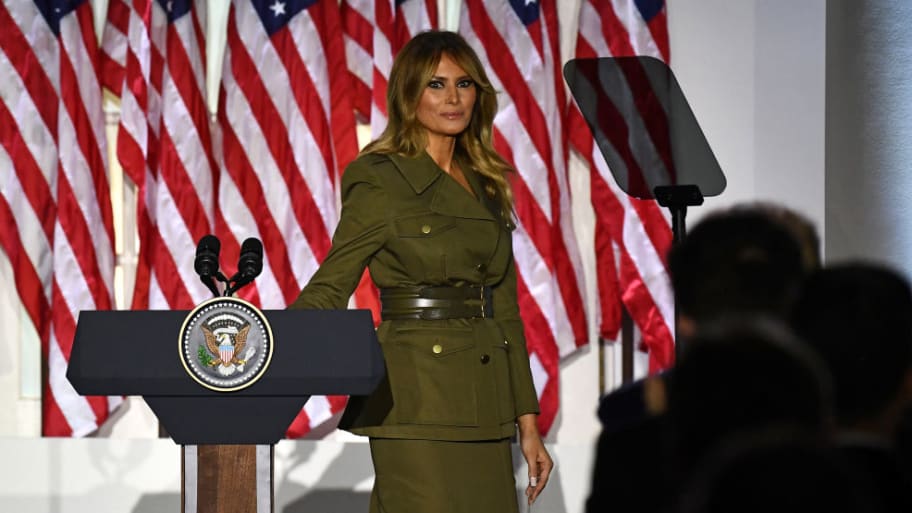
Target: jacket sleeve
(361, 232)
(506, 311)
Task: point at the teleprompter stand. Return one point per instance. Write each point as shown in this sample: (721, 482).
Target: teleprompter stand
(646, 133)
(227, 437)
(676, 198)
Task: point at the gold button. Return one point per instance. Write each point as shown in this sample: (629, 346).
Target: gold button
(437, 348)
(426, 229)
(506, 342)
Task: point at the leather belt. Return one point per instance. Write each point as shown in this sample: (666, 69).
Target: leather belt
(435, 303)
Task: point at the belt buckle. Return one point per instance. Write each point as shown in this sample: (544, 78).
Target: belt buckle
(481, 293)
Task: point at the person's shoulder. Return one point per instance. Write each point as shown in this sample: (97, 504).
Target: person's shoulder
(634, 401)
(367, 167)
(368, 161)
(621, 405)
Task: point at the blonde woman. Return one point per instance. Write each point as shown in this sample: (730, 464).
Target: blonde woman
(427, 208)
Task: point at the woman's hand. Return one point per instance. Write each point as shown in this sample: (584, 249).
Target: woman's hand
(536, 455)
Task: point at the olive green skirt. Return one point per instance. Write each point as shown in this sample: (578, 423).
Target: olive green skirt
(430, 476)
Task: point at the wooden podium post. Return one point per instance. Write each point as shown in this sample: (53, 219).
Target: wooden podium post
(227, 479)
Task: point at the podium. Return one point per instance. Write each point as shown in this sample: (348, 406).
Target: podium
(227, 437)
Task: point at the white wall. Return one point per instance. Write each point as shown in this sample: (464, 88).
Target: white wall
(754, 75)
(19, 372)
(869, 132)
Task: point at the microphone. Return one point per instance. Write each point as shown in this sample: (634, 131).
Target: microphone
(206, 263)
(250, 264)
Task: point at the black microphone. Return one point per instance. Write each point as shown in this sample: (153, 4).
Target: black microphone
(206, 263)
(250, 264)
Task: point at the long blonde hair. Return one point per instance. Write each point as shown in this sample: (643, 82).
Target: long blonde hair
(412, 70)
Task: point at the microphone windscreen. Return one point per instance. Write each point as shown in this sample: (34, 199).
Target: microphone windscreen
(252, 246)
(250, 263)
(209, 244)
(207, 251)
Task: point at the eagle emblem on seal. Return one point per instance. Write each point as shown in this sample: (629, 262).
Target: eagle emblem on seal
(228, 349)
(225, 344)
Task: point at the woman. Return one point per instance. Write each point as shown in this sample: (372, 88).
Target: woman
(427, 208)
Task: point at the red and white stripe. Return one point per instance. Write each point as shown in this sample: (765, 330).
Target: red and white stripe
(164, 146)
(114, 44)
(637, 230)
(523, 64)
(374, 32)
(412, 17)
(55, 209)
(288, 129)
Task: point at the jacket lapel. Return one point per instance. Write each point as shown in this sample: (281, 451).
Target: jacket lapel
(449, 197)
(419, 172)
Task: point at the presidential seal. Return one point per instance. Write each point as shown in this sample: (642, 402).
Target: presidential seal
(225, 344)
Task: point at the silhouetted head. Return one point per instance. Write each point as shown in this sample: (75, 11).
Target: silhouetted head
(738, 261)
(801, 228)
(858, 317)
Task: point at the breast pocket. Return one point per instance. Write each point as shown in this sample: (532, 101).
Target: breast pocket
(422, 243)
(431, 374)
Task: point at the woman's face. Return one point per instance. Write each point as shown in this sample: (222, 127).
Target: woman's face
(445, 107)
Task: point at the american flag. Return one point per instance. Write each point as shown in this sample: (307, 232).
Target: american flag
(55, 209)
(637, 231)
(164, 142)
(518, 44)
(288, 129)
(374, 32)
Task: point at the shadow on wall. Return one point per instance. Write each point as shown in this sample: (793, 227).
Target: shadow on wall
(157, 502)
(330, 501)
(334, 491)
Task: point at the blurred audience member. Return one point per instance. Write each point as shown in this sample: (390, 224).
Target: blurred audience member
(740, 374)
(742, 260)
(746, 259)
(858, 317)
(775, 470)
(737, 261)
(799, 225)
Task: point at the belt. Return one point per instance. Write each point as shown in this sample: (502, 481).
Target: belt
(435, 303)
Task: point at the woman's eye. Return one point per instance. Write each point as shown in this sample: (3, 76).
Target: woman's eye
(435, 84)
(465, 83)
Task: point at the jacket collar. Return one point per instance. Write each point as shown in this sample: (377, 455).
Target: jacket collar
(420, 172)
(449, 198)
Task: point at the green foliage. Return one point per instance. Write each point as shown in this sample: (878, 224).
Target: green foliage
(204, 358)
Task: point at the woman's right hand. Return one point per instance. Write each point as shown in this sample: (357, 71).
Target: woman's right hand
(537, 457)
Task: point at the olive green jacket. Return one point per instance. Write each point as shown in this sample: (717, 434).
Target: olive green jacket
(412, 224)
